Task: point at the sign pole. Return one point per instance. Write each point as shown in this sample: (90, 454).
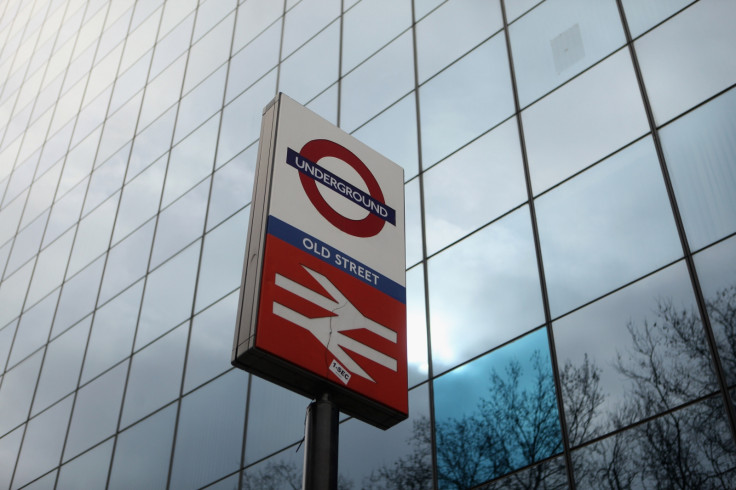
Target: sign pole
(321, 441)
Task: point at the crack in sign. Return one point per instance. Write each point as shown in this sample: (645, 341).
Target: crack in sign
(328, 330)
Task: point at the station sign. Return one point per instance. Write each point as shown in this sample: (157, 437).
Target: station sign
(323, 297)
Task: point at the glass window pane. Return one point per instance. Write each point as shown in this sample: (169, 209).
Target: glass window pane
(10, 215)
(643, 15)
(78, 296)
(162, 92)
(369, 26)
(168, 297)
(140, 199)
(16, 392)
(305, 20)
(484, 291)
(688, 58)
(275, 419)
(155, 375)
(468, 98)
(241, 119)
(96, 411)
(516, 8)
(112, 334)
(254, 16)
(552, 474)
(583, 121)
(172, 46)
(473, 186)
(65, 213)
(41, 195)
(593, 241)
(716, 268)
(700, 151)
(413, 223)
(210, 434)
(231, 187)
(130, 83)
(106, 179)
(452, 30)
(49, 272)
(119, 128)
(393, 133)
(496, 414)
(312, 68)
(26, 244)
(210, 13)
(210, 343)
(689, 448)
(180, 224)
(207, 54)
(379, 82)
(9, 446)
(93, 235)
(42, 443)
(416, 326)
(643, 347)
(282, 470)
(559, 39)
(88, 470)
(6, 339)
(61, 366)
(143, 452)
(127, 261)
(400, 457)
(174, 12)
(151, 143)
(191, 160)
(222, 259)
(254, 60)
(199, 104)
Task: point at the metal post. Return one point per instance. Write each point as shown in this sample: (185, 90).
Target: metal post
(321, 439)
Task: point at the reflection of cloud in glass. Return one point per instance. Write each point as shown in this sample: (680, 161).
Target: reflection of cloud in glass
(583, 121)
(465, 100)
(606, 227)
(484, 291)
(688, 58)
(470, 188)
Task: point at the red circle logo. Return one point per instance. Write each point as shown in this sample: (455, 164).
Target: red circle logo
(369, 226)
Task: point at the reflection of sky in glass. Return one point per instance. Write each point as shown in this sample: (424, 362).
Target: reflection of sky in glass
(716, 268)
(598, 337)
(583, 121)
(541, 40)
(509, 395)
(471, 187)
(606, 227)
(484, 291)
(688, 58)
(700, 149)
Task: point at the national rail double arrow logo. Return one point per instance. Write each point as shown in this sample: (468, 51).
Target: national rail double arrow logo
(329, 329)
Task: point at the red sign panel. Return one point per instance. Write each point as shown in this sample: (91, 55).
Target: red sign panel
(315, 316)
(323, 299)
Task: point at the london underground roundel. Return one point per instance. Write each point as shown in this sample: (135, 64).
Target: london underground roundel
(323, 299)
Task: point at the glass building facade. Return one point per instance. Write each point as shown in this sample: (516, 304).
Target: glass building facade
(570, 192)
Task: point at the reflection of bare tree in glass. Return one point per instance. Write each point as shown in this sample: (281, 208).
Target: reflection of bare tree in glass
(282, 476)
(668, 365)
(411, 472)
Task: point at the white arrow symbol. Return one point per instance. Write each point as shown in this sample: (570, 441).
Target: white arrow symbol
(328, 330)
